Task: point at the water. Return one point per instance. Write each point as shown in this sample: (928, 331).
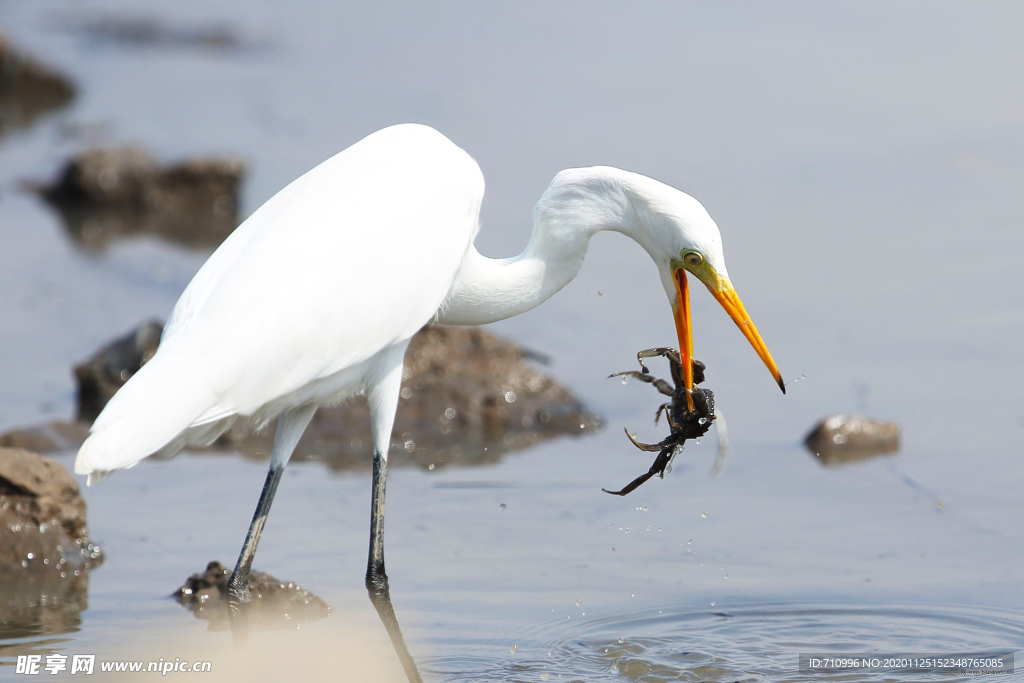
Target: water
(864, 165)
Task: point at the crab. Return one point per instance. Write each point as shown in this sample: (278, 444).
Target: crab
(685, 423)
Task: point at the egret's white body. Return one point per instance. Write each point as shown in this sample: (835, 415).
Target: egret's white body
(315, 297)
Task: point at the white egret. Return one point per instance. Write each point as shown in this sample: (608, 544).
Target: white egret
(315, 296)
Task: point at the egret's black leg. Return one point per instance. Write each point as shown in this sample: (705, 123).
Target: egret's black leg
(290, 426)
(383, 401)
(660, 463)
(377, 578)
(239, 597)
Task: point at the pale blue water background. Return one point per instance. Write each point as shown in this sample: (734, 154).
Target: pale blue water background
(864, 163)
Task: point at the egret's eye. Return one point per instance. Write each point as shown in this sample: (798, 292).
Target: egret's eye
(692, 258)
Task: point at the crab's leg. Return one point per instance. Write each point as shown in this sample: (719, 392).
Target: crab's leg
(647, 446)
(663, 408)
(660, 384)
(666, 351)
(660, 463)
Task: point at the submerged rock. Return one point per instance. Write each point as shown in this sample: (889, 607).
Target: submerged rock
(42, 515)
(104, 195)
(845, 438)
(275, 604)
(108, 369)
(467, 397)
(28, 89)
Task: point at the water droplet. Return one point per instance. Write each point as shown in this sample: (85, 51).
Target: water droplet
(430, 466)
(515, 649)
(689, 541)
(621, 641)
(579, 602)
(30, 555)
(614, 667)
(449, 413)
(726, 576)
(712, 603)
(503, 506)
(648, 528)
(704, 514)
(632, 595)
(545, 676)
(510, 397)
(625, 380)
(600, 293)
(410, 445)
(582, 426)
(613, 550)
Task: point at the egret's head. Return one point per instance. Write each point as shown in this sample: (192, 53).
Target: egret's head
(677, 231)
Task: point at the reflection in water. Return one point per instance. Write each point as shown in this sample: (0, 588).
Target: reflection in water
(380, 596)
(750, 643)
(36, 605)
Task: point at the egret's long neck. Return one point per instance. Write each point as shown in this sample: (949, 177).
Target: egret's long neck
(577, 204)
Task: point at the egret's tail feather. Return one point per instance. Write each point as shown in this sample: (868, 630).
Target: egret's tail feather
(151, 413)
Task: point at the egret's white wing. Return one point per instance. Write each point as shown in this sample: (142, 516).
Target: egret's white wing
(350, 258)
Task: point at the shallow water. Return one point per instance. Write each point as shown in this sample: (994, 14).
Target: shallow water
(864, 164)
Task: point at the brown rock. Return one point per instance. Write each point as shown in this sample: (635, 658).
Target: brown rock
(104, 195)
(844, 438)
(28, 89)
(275, 604)
(42, 515)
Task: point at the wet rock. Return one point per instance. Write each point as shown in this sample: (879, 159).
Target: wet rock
(846, 438)
(110, 367)
(41, 602)
(467, 397)
(28, 89)
(107, 194)
(275, 604)
(42, 517)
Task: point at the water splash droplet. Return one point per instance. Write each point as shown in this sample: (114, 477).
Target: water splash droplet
(579, 602)
(704, 514)
(625, 380)
(503, 506)
(430, 466)
(515, 649)
(712, 603)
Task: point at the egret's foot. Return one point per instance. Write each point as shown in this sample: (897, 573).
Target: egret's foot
(239, 607)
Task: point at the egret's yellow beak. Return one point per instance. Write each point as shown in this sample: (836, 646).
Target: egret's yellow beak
(722, 290)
